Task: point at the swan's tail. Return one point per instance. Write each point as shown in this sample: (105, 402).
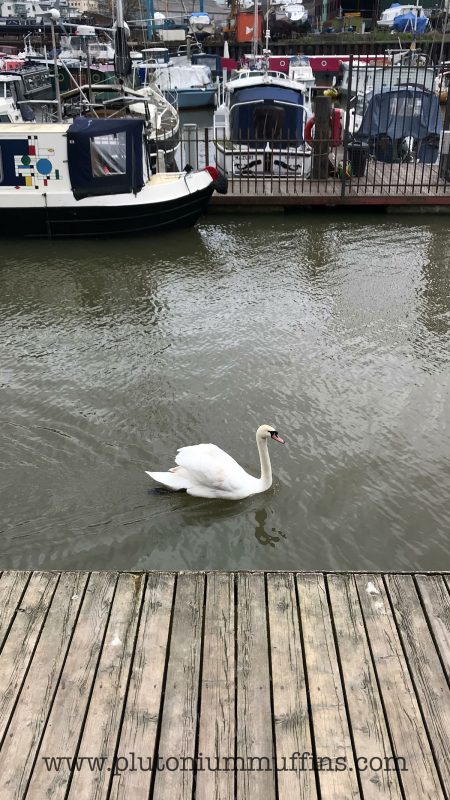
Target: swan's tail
(175, 480)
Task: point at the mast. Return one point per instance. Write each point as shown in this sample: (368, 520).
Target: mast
(255, 31)
(122, 60)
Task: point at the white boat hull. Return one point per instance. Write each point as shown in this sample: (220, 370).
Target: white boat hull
(244, 161)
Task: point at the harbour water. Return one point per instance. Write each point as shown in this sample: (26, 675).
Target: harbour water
(334, 328)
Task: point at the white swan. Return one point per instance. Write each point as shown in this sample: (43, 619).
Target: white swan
(205, 470)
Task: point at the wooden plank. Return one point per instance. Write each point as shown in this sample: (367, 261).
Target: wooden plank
(254, 719)
(436, 601)
(370, 733)
(65, 722)
(216, 724)
(28, 721)
(290, 705)
(105, 709)
(179, 718)
(408, 735)
(139, 729)
(425, 667)
(19, 646)
(12, 587)
(330, 724)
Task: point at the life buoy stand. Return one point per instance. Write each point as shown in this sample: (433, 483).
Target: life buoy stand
(336, 127)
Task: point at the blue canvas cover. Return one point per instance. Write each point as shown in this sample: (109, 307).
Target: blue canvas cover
(393, 115)
(105, 156)
(267, 113)
(400, 112)
(409, 22)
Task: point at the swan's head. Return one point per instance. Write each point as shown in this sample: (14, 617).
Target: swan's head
(266, 431)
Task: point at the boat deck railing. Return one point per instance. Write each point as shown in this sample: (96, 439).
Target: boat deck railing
(390, 143)
(291, 169)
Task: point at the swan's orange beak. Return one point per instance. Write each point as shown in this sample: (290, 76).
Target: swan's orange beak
(277, 438)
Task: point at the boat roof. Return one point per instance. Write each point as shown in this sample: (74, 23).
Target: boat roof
(246, 80)
(32, 127)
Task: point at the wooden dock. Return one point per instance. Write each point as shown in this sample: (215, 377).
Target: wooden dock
(383, 184)
(208, 686)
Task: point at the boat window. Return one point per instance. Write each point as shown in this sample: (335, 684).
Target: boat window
(406, 105)
(2, 174)
(109, 155)
(4, 118)
(29, 83)
(269, 122)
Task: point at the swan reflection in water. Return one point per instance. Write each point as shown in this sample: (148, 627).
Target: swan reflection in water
(262, 533)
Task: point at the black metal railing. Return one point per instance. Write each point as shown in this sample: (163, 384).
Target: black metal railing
(385, 132)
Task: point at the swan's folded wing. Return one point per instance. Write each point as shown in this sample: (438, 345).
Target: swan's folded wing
(210, 466)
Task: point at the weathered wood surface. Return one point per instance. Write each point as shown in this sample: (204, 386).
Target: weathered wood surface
(65, 722)
(290, 703)
(254, 738)
(424, 665)
(28, 721)
(217, 710)
(381, 183)
(365, 705)
(409, 735)
(179, 713)
(142, 710)
(330, 720)
(224, 686)
(12, 587)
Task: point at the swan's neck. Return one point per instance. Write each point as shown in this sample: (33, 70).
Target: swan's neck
(266, 469)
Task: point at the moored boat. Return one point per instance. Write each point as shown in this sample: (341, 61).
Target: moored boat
(259, 127)
(92, 178)
(402, 68)
(400, 123)
(184, 84)
(287, 17)
(404, 18)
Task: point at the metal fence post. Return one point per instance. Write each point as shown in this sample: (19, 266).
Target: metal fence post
(189, 136)
(346, 127)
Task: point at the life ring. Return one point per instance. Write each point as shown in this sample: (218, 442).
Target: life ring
(335, 136)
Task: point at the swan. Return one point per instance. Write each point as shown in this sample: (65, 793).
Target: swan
(204, 470)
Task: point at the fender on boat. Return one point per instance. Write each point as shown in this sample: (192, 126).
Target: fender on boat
(220, 181)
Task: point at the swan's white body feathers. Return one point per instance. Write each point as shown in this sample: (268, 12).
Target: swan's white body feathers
(205, 470)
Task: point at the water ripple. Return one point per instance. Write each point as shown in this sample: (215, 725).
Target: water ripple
(328, 327)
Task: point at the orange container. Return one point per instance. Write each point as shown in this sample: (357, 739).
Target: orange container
(244, 26)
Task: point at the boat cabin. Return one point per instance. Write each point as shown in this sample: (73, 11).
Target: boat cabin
(87, 158)
(267, 113)
(11, 92)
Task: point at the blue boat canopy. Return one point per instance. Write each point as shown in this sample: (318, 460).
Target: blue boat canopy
(267, 113)
(410, 22)
(400, 112)
(105, 156)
